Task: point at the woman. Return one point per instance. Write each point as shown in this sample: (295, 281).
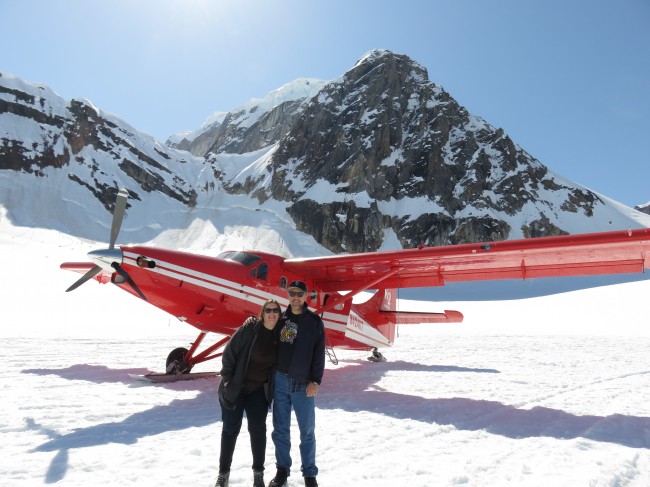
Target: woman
(249, 360)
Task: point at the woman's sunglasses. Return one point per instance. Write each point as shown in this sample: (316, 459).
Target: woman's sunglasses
(271, 310)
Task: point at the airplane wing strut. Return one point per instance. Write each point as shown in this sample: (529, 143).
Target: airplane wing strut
(364, 287)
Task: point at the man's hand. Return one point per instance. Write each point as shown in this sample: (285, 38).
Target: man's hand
(312, 389)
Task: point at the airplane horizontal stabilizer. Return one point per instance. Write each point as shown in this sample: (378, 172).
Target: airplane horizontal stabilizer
(416, 318)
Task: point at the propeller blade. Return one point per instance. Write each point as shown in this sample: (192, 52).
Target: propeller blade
(128, 279)
(118, 215)
(104, 257)
(87, 276)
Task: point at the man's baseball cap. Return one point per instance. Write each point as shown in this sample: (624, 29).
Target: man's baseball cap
(299, 285)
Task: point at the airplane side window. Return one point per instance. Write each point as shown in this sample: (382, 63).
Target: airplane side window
(283, 282)
(262, 271)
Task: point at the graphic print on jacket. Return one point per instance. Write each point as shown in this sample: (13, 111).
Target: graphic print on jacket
(289, 332)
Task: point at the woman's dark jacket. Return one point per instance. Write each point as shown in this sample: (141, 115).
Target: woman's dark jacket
(235, 360)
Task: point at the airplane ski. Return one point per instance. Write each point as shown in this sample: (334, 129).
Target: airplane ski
(165, 378)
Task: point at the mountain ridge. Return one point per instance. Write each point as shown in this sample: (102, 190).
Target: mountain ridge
(378, 158)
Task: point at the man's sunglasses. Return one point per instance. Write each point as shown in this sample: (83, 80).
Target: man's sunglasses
(271, 310)
(295, 294)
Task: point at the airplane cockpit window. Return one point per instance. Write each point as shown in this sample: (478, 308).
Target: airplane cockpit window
(245, 258)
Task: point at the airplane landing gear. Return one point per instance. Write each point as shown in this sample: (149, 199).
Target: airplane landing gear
(180, 362)
(376, 356)
(176, 363)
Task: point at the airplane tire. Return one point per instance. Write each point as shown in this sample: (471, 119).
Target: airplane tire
(175, 364)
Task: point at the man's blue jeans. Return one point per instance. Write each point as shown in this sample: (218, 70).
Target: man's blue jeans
(292, 393)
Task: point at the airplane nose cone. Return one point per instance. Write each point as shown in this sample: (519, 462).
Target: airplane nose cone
(106, 258)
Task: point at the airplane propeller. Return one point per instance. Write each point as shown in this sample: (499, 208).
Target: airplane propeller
(86, 277)
(111, 258)
(128, 279)
(118, 216)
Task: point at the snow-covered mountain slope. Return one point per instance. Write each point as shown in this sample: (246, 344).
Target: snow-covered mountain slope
(379, 158)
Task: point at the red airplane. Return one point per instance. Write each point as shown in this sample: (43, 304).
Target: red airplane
(216, 294)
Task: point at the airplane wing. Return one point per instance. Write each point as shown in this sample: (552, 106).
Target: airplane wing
(618, 252)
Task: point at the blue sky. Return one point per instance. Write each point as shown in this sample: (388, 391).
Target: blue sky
(568, 80)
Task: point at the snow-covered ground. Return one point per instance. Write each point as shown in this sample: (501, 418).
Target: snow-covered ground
(548, 391)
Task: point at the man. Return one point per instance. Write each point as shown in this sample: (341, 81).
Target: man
(301, 363)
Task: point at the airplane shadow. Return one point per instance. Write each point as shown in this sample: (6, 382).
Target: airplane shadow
(352, 389)
(509, 289)
(349, 388)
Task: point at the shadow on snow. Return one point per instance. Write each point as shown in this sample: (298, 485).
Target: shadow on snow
(351, 389)
(179, 414)
(348, 388)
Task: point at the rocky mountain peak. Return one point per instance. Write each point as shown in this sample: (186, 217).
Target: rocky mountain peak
(384, 136)
(254, 125)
